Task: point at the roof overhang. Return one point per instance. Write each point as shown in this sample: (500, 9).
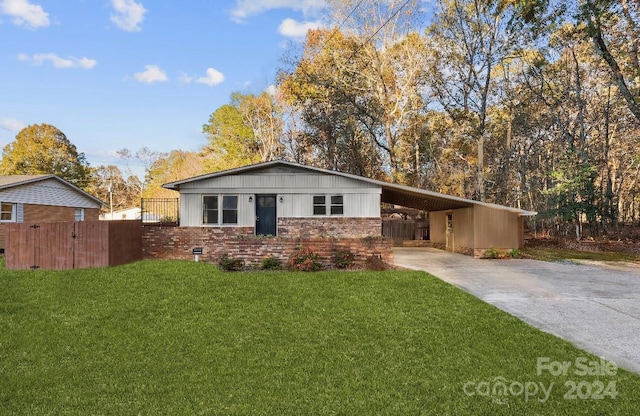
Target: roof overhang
(12, 181)
(403, 195)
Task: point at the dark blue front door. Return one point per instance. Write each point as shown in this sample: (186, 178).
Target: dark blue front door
(265, 214)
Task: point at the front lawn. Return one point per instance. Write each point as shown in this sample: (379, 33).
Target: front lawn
(180, 338)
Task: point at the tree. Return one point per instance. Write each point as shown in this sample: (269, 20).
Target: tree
(471, 39)
(232, 142)
(612, 26)
(44, 149)
(262, 114)
(146, 158)
(109, 185)
(175, 166)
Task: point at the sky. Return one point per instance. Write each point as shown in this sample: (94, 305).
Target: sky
(113, 74)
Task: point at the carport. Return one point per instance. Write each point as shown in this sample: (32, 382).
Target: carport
(462, 225)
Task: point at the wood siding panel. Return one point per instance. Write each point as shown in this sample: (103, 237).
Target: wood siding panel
(438, 227)
(47, 192)
(125, 242)
(496, 228)
(91, 244)
(463, 230)
(19, 246)
(53, 246)
(2, 235)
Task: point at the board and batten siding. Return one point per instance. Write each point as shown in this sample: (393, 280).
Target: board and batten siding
(361, 199)
(47, 192)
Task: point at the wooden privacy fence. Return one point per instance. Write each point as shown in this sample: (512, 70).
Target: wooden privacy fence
(72, 245)
(400, 229)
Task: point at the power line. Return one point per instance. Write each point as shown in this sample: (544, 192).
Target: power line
(335, 30)
(394, 14)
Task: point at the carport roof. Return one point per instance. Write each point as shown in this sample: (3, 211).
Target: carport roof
(406, 196)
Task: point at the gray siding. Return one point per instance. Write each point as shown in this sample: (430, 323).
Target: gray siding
(272, 183)
(292, 206)
(296, 189)
(47, 192)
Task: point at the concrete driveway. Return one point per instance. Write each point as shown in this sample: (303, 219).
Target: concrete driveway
(595, 306)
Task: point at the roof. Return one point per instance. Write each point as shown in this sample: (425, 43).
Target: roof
(406, 196)
(13, 181)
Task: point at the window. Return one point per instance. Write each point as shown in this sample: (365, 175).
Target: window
(209, 209)
(220, 209)
(79, 214)
(230, 209)
(7, 212)
(319, 205)
(337, 205)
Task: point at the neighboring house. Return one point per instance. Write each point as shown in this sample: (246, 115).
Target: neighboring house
(123, 214)
(131, 214)
(290, 200)
(43, 198)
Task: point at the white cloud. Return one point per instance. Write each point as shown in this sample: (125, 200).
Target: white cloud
(25, 14)
(57, 61)
(213, 77)
(11, 124)
(247, 8)
(271, 90)
(129, 14)
(151, 74)
(297, 30)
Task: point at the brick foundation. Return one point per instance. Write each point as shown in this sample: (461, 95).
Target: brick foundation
(329, 227)
(239, 242)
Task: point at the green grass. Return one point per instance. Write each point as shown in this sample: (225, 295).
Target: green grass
(556, 254)
(178, 338)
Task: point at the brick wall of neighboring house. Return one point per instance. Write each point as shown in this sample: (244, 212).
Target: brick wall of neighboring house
(48, 213)
(239, 242)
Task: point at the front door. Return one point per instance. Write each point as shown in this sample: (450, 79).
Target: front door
(265, 214)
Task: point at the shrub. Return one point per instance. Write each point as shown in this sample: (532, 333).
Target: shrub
(375, 262)
(515, 254)
(494, 253)
(230, 264)
(343, 259)
(271, 263)
(304, 260)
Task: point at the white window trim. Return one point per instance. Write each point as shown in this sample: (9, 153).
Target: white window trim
(75, 214)
(327, 205)
(330, 205)
(210, 224)
(221, 210)
(14, 212)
